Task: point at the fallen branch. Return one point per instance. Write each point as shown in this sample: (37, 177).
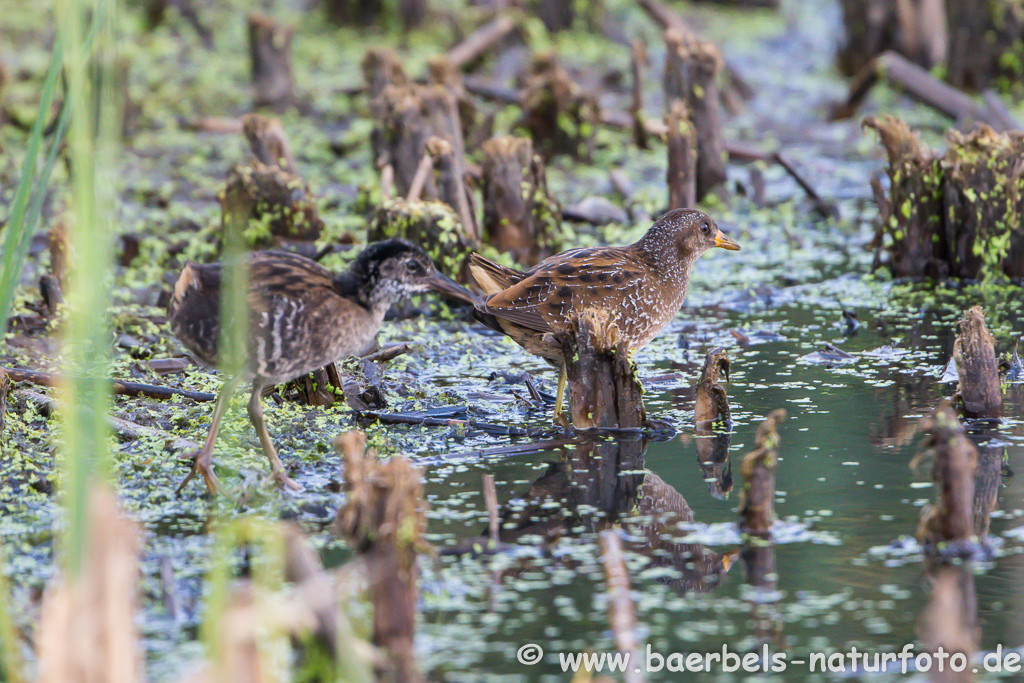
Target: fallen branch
(125, 428)
(388, 353)
(47, 379)
(924, 88)
(480, 41)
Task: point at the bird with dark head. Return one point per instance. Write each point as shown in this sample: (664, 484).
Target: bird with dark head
(642, 286)
(301, 317)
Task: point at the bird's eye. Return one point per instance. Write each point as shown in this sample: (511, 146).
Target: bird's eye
(705, 227)
(413, 266)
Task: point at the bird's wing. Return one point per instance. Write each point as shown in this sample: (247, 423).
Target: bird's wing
(492, 277)
(543, 299)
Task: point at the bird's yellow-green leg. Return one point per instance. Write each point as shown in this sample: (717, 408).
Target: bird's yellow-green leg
(561, 392)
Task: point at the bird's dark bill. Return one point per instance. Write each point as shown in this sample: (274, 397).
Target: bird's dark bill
(445, 285)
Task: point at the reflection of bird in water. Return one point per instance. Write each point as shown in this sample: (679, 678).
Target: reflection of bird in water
(584, 492)
(642, 285)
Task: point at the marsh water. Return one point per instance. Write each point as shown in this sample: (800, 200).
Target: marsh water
(848, 502)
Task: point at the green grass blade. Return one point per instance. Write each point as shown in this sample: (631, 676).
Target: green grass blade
(19, 230)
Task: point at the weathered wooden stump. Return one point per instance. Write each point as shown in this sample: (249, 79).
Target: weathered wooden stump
(917, 30)
(604, 389)
(268, 142)
(757, 508)
(412, 116)
(270, 49)
(681, 143)
(430, 224)
(974, 352)
(383, 519)
(560, 117)
(520, 215)
(957, 214)
(948, 525)
(273, 206)
(693, 70)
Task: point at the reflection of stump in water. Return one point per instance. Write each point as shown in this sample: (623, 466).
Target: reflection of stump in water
(593, 479)
(383, 519)
(950, 622)
(711, 406)
(948, 525)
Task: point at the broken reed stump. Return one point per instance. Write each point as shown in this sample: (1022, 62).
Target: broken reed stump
(974, 352)
(432, 225)
(603, 385)
(757, 509)
(270, 50)
(383, 519)
(87, 629)
(273, 205)
(520, 215)
(681, 143)
(957, 214)
(950, 623)
(559, 115)
(410, 116)
(268, 142)
(916, 30)
(713, 424)
(693, 69)
(711, 403)
(947, 527)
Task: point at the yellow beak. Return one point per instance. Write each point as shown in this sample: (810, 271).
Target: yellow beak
(725, 242)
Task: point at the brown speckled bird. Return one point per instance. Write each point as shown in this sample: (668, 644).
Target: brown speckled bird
(301, 317)
(643, 285)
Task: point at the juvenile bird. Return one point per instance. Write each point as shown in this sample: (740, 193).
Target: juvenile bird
(301, 317)
(642, 286)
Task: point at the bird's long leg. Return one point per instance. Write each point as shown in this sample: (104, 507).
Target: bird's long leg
(560, 395)
(203, 458)
(256, 417)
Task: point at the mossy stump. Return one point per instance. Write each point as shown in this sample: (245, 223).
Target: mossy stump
(713, 423)
(430, 224)
(520, 215)
(956, 214)
(602, 378)
(273, 206)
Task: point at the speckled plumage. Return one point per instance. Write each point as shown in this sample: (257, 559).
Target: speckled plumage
(643, 285)
(301, 317)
